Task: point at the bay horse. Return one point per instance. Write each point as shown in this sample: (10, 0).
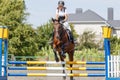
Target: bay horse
(62, 44)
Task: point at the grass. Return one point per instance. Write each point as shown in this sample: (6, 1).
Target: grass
(46, 54)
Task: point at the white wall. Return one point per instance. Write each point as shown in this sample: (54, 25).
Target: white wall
(97, 28)
(116, 32)
(80, 28)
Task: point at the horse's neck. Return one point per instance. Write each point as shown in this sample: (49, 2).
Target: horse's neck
(64, 34)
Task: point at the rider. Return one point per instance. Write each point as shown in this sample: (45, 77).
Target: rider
(61, 14)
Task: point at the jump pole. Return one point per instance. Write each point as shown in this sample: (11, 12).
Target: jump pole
(54, 62)
(3, 39)
(107, 30)
(56, 75)
(57, 68)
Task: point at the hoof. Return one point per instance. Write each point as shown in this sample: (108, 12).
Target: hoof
(64, 78)
(71, 78)
(57, 60)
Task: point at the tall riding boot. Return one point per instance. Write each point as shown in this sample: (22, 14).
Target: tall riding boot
(70, 36)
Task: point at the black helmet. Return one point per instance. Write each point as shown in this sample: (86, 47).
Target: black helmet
(61, 3)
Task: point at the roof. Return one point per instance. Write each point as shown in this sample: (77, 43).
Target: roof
(114, 23)
(88, 15)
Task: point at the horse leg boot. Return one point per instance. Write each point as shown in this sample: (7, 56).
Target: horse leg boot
(63, 65)
(64, 72)
(62, 52)
(56, 57)
(71, 58)
(70, 35)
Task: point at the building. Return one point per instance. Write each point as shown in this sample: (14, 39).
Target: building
(115, 26)
(89, 20)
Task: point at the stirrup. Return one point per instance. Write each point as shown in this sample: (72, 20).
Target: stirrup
(71, 40)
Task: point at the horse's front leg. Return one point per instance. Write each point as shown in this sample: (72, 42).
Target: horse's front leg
(55, 54)
(63, 65)
(63, 52)
(71, 59)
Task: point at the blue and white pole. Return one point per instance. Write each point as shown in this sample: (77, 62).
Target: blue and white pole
(1, 39)
(107, 30)
(5, 50)
(107, 54)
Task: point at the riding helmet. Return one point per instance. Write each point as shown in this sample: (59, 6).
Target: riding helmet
(61, 3)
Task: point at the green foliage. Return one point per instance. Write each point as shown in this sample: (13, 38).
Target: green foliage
(23, 41)
(21, 35)
(89, 55)
(87, 41)
(115, 45)
(46, 53)
(44, 33)
(12, 13)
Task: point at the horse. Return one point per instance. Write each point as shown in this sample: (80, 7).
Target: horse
(62, 44)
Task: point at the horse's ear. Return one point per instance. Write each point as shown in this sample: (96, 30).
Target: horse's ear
(53, 20)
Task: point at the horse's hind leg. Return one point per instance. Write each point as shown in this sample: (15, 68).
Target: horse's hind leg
(71, 58)
(63, 65)
(56, 57)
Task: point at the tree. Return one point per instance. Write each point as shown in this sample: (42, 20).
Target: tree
(12, 13)
(75, 35)
(115, 45)
(44, 33)
(21, 35)
(87, 40)
(23, 42)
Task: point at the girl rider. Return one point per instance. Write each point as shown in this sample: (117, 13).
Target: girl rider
(61, 14)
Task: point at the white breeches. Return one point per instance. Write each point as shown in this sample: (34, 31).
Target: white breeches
(66, 25)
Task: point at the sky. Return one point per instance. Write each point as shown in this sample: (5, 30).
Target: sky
(41, 11)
